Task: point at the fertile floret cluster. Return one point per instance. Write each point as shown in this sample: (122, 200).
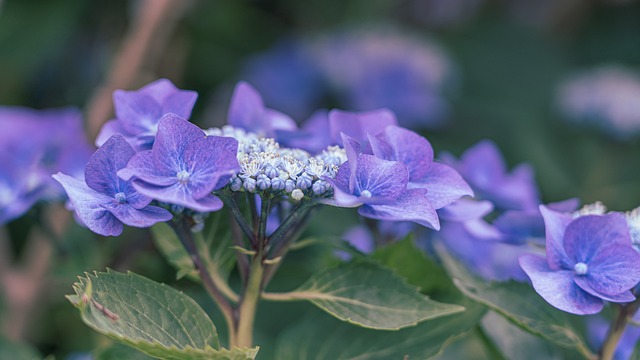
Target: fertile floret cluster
(266, 167)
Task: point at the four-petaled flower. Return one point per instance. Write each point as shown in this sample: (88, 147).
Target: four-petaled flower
(139, 112)
(379, 187)
(589, 259)
(103, 202)
(184, 166)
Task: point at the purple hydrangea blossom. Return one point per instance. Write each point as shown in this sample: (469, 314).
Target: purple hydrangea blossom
(589, 259)
(379, 188)
(483, 167)
(359, 125)
(597, 328)
(184, 165)
(56, 143)
(443, 184)
(102, 201)
(139, 112)
(247, 111)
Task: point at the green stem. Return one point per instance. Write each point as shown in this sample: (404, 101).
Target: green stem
(182, 229)
(230, 202)
(625, 312)
(249, 303)
(265, 209)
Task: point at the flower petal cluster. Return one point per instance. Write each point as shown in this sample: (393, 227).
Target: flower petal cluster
(138, 112)
(590, 259)
(102, 201)
(184, 166)
(56, 143)
(380, 188)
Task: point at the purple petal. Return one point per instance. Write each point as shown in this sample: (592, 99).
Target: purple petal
(483, 163)
(555, 224)
(87, 204)
(613, 269)
(382, 178)
(558, 287)
(141, 218)
(178, 194)
(444, 185)
(102, 168)
(159, 90)
(143, 166)
(400, 144)
(277, 120)
(353, 149)
(180, 103)
(211, 162)
(465, 209)
(138, 113)
(174, 134)
(585, 236)
(109, 129)
(413, 206)
(246, 110)
(359, 124)
(342, 196)
(585, 284)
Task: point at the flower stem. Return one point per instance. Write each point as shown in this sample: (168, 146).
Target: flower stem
(249, 303)
(182, 229)
(619, 323)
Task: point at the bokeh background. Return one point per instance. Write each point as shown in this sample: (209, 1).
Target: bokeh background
(555, 84)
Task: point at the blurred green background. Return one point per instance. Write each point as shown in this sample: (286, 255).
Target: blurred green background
(510, 58)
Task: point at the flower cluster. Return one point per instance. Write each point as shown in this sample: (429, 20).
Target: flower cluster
(56, 143)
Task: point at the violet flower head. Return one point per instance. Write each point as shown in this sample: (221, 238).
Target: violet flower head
(379, 188)
(184, 166)
(443, 184)
(103, 202)
(589, 259)
(138, 112)
(247, 111)
(483, 167)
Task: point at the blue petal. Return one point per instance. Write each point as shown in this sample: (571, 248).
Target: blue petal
(558, 287)
(180, 103)
(102, 168)
(444, 185)
(180, 195)
(412, 205)
(613, 269)
(211, 162)
(246, 110)
(555, 225)
(359, 124)
(174, 135)
(382, 178)
(585, 236)
(465, 209)
(143, 166)
(585, 284)
(138, 113)
(142, 218)
(87, 204)
(400, 144)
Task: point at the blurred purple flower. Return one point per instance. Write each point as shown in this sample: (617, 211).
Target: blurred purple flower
(184, 165)
(605, 97)
(56, 142)
(359, 125)
(597, 328)
(247, 111)
(589, 259)
(102, 201)
(483, 167)
(443, 184)
(379, 188)
(138, 112)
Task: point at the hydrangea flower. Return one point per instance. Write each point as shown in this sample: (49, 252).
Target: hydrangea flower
(102, 201)
(589, 260)
(359, 125)
(56, 143)
(184, 166)
(139, 112)
(379, 188)
(443, 184)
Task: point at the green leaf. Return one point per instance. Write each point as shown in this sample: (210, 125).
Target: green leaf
(324, 338)
(520, 304)
(368, 295)
(170, 246)
(151, 317)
